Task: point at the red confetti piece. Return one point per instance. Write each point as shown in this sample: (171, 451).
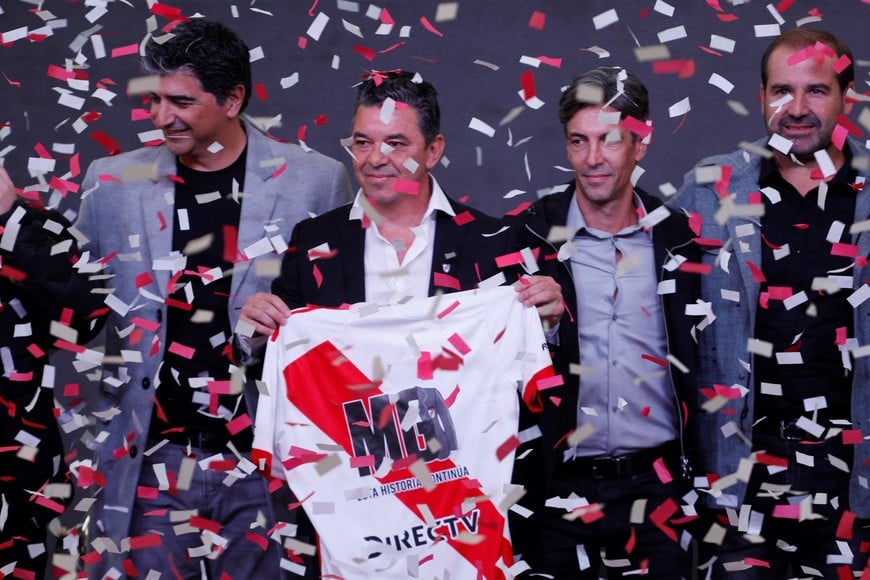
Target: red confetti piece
(853, 129)
(318, 277)
(261, 91)
(523, 206)
(239, 423)
(845, 250)
(511, 259)
(661, 514)
(257, 539)
(16, 84)
(662, 471)
(181, 350)
(852, 436)
(442, 280)
(166, 11)
(727, 17)
(106, 142)
(448, 310)
(231, 243)
(320, 120)
(842, 63)
(459, 344)
(363, 461)
(424, 366)
(463, 218)
(785, 512)
(682, 67)
(695, 268)
(407, 186)
(768, 459)
(654, 360)
(636, 126)
(366, 53)
(146, 541)
(452, 397)
(428, 26)
(844, 527)
(757, 274)
(537, 20)
(527, 83)
(784, 5)
(205, 524)
(554, 62)
(278, 171)
(549, 382)
(125, 50)
(508, 447)
(146, 492)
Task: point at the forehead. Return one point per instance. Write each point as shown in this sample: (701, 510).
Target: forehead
(594, 119)
(178, 82)
(388, 118)
(792, 64)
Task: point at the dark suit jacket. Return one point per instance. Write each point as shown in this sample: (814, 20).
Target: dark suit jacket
(670, 235)
(461, 252)
(36, 286)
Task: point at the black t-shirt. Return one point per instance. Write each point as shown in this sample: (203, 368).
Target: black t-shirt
(197, 353)
(814, 327)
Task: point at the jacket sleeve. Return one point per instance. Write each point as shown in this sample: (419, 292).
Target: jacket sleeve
(38, 257)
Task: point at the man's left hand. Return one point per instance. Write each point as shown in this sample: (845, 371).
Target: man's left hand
(545, 294)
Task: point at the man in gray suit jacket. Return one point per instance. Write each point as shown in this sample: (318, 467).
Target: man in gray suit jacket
(182, 228)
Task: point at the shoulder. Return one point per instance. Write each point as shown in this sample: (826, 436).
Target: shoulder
(330, 220)
(265, 146)
(142, 155)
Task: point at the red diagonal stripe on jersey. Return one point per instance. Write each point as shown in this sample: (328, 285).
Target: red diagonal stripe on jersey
(324, 380)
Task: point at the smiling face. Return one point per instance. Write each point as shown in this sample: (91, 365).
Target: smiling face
(386, 154)
(191, 119)
(602, 162)
(809, 118)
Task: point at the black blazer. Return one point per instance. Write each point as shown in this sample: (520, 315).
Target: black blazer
(36, 286)
(670, 235)
(466, 252)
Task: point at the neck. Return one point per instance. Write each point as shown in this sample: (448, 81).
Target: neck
(610, 217)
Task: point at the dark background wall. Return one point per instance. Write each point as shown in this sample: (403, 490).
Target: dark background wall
(525, 153)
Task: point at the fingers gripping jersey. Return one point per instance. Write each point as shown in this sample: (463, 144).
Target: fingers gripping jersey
(396, 426)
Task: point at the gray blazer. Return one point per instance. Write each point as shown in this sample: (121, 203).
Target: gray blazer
(126, 217)
(723, 345)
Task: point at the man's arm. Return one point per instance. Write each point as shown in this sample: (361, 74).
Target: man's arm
(38, 250)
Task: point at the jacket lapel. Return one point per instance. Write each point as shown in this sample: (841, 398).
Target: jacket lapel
(153, 204)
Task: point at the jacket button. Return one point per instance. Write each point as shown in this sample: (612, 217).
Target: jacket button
(134, 451)
(146, 383)
(159, 315)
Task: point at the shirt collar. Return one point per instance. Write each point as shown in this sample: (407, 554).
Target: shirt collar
(437, 202)
(846, 174)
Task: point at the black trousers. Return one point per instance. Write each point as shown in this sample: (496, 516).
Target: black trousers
(628, 526)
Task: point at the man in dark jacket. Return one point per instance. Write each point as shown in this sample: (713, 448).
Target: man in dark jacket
(44, 303)
(608, 472)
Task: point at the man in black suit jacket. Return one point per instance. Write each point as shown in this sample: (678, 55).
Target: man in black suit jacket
(376, 249)
(42, 298)
(402, 236)
(617, 434)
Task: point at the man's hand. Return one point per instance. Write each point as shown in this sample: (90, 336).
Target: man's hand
(265, 312)
(7, 191)
(545, 294)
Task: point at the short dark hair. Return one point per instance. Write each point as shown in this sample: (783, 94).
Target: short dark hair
(209, 50)
(400, 86)
(622, 90)
(798, 38)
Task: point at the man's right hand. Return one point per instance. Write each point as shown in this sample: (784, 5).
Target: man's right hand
(265, 312)
(7, 192)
